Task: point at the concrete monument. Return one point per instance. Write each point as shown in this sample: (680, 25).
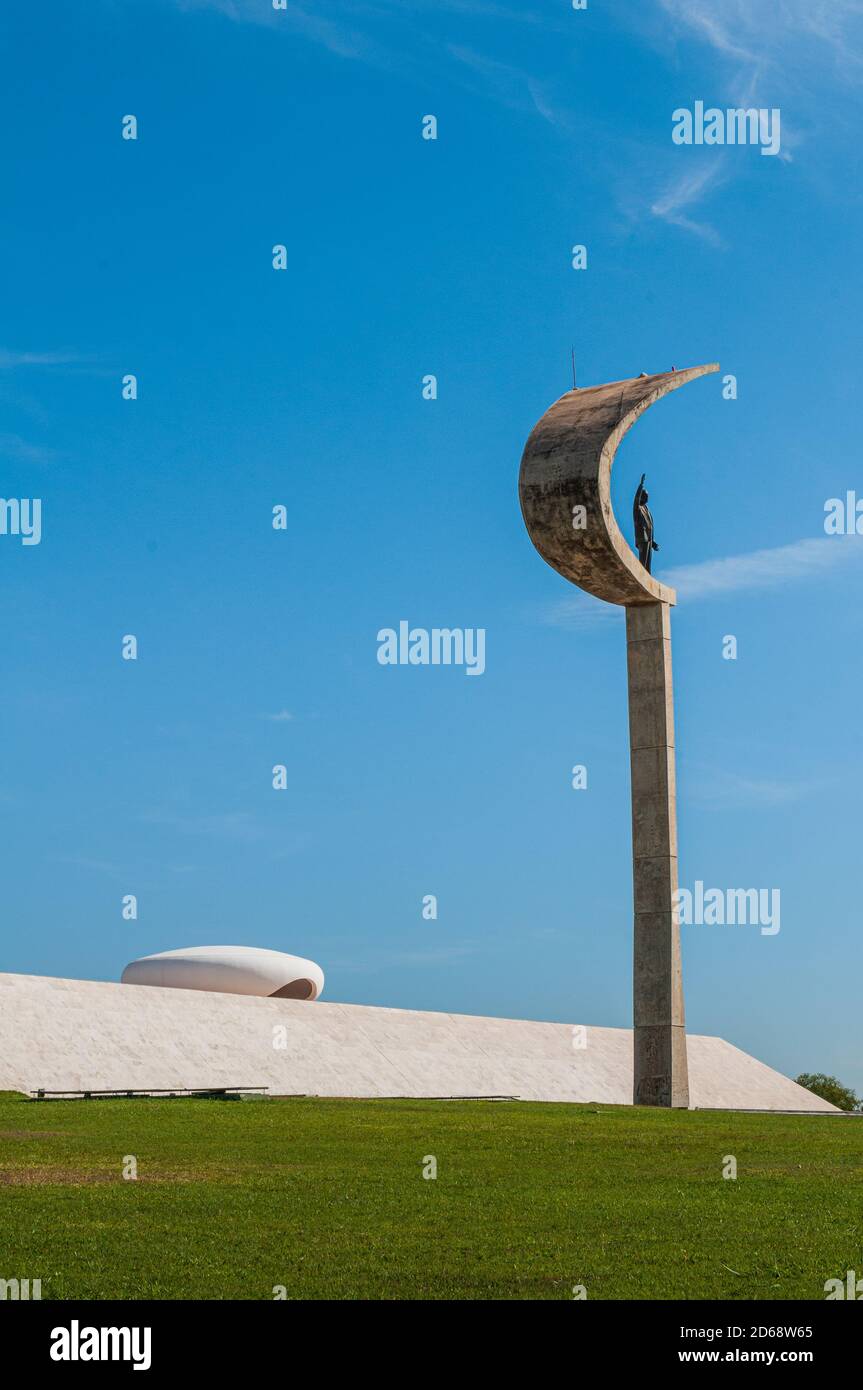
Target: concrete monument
(565, 491)
(88, 1035)
(216, 1017)
(229, 970)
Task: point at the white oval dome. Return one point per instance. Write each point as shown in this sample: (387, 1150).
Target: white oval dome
(229, 970)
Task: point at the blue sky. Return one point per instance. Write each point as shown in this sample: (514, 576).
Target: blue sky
(303, 388)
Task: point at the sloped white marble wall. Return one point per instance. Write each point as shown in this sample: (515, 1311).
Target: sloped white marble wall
(82, 1034)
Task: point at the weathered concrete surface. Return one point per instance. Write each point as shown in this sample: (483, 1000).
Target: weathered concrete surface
(660, 1071)
(565, 494)
(80, 1034)
(567, 463)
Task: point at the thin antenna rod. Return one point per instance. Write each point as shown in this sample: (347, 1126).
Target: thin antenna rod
(573, 369)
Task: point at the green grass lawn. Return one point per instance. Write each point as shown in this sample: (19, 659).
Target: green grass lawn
(328, 1198)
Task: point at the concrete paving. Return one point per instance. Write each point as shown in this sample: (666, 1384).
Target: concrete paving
(84, 1035)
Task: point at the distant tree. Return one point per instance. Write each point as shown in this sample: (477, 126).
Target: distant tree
(831, 1089)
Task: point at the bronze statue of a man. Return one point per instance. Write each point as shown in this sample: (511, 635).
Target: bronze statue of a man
(641, 516)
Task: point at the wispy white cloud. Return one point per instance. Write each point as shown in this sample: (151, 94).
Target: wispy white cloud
(99, 866)
(510, 85)
(758, 34)
(282, 716)
(685, 190)
(719, 787)
(230, 825)
(742, 52)
(550, 109)
(796, 49)
(581, 612)
(398, 35)
(803, 56)
(708, 25)
(12, 446)
(9, 358)
(766, 569)
(757, 570)
(422, 956)
(338, 35)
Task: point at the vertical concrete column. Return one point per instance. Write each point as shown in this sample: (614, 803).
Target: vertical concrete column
(660, 1071)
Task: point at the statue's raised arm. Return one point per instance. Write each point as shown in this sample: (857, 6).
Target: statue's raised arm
(643, 523)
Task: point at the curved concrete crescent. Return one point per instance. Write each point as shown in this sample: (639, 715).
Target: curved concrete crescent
(229, 970)
(567, 463)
